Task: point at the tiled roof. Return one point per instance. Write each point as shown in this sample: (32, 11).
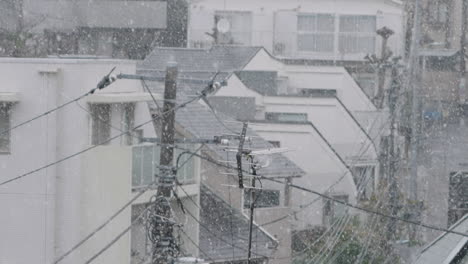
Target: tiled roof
(202, 123)
(222, 223)
(446, 247)
(218, 58)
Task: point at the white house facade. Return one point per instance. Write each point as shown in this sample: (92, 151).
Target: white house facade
(320, 29)
(50, 210)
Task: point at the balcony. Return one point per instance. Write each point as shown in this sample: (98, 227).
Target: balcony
(145, 165)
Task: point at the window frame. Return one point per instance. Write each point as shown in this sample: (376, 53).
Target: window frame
(97, 123)
(316, 32)
(357, 34)
(337, 51)
(276, 116)
(5, 112)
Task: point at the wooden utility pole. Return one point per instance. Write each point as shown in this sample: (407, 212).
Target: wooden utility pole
(164, 249)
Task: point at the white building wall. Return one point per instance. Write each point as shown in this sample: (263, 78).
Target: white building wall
(330, 78)
(335, 124)
(43, 211)
(314, 156)
(275, 21)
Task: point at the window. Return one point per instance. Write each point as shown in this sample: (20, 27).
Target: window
(333, 211)
(364, 178)
(357, 34)
(263, 198)
(437, 13)
(286, 117)
(4, 126)
(146, 161)
(140, 245)
(316, 32)
(101, 118)
(275, 143)
(128, 123)
(240, 27)
(458, 196)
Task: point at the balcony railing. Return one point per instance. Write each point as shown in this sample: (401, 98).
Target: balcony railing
(145, 165)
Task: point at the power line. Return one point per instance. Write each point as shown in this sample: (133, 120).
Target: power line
(140, 193)
(106, 247)
(112, 217)
(219, 238)
(304, 206)
(101, 143)
(437, 228)
(195, 244)
(98, 87)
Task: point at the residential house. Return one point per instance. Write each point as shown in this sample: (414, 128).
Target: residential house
(299, 32)
(260, 104)
(51, 209)
(118, 29)
(198, 121)
(319, 30)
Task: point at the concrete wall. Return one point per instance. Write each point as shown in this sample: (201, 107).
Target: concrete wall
(275, 20)
(43, 213)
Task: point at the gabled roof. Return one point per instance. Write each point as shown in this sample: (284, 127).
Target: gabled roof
(446, 247)
(263, 82)
(228, 224)
(200, 122)
(218, 58)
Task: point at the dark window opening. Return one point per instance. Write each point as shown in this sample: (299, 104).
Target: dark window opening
(263, 198)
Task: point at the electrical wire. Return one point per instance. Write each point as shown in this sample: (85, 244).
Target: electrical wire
(197, 246)
(101, 85)
(304, 206)
(47, 112)
(121, 234)
(140, 193)
(369, 211)
(101, 143)
(112, 217)
(219, 238)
